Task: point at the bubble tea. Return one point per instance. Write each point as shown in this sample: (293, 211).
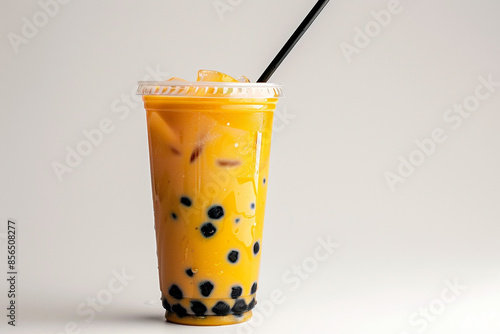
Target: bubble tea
(209, 144)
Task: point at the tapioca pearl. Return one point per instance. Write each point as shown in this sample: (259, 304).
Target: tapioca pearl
(251, 305)
(189, 272)
(221, 308)
(236, 291)
(208, 230)
(252, 205)
(237, 220)
(256, 247)
(233, 256)
(198, 307)
(174, 216)
(228, 162)
(175, 150)
(206, 288)
(264, 181)
(186, 201)
(215, 212)
(175, 292)
(196, 153)
(166, 305)
(239, 306)
(254, 288)
(179, 310)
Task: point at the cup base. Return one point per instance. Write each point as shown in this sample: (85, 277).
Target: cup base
(209, 320)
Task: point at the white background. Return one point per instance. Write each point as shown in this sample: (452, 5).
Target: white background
(351, 122)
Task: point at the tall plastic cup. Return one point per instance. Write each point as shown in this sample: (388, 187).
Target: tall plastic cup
(209, 145)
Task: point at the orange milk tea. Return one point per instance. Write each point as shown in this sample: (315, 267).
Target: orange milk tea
(209, 144)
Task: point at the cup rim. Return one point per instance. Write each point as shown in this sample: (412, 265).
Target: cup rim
(220, 89)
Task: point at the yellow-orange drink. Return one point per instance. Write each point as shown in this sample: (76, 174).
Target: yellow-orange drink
(209, 146)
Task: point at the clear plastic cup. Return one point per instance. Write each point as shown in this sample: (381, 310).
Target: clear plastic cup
(209, 145)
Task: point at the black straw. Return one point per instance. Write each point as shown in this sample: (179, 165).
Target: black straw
(293, 40)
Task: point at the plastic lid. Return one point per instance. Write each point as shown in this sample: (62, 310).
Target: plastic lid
(210, 89)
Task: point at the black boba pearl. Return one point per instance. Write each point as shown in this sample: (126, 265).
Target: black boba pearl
(239, 306)
(215, 212)
(256, 247)
(237, 220)
(198, 307)
(208, 229)
(254, 288)
(174, 216)
(221, 308)
(252, 303)
(175, 292)
(166, 305)
(189, 272)
(186, 201)
(252, 206)
(206, 288)
(233, 256)
(179, 310)
(236, 291)
(264, 181)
